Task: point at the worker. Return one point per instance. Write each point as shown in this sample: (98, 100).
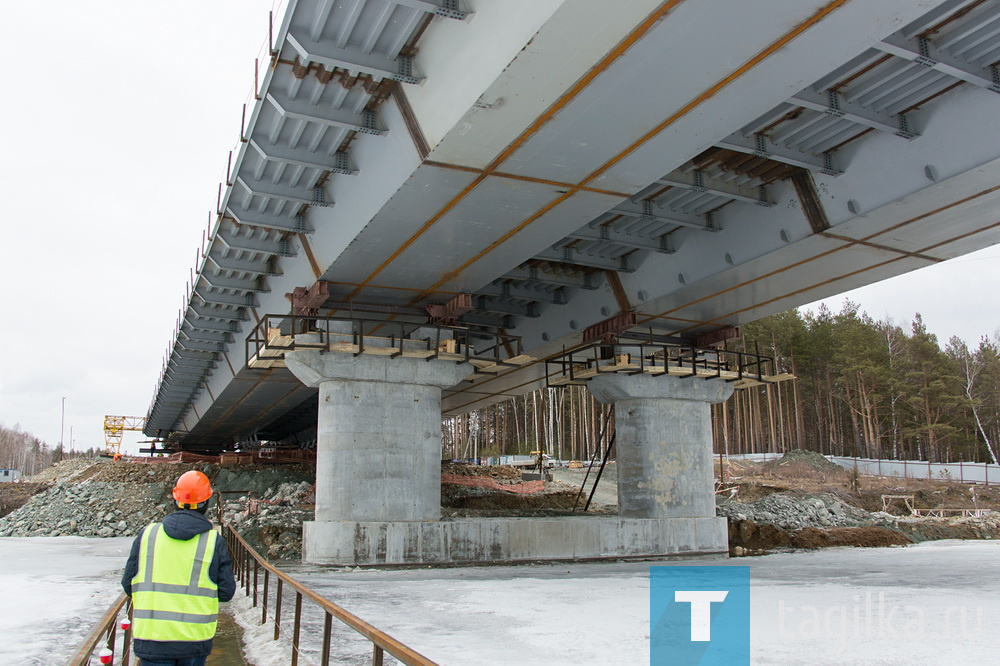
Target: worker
(177, 573)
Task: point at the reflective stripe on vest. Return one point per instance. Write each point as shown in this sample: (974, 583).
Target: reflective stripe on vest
(173, 597)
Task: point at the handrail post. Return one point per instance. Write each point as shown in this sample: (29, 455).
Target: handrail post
(327, 629)
(263, 612)
(113, 633)
(127, 649)
(377, 653)
(277, 610)
(256, 568)
(297, 629)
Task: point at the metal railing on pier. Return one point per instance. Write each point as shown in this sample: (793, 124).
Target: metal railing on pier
(483, 347)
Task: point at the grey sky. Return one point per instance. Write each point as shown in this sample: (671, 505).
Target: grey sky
(118, 118)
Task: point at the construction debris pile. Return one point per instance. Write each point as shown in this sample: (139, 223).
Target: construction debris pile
(272, 524)
(96, 497)
(793, 511)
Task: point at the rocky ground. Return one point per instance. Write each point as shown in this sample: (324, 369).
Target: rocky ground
(798, 501)
(98, 497)
(802, 500)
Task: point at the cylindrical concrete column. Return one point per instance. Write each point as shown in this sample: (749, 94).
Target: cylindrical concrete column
(378, 446)
(664, 442)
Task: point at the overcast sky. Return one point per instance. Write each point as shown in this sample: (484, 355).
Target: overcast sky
(117, 122)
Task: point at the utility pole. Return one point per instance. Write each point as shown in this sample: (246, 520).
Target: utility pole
(62, 422)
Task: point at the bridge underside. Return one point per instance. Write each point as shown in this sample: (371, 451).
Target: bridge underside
(699, 164)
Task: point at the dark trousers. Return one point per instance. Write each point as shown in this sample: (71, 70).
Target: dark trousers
(189, 661)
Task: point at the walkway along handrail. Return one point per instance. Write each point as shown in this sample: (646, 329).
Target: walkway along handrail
(106, 628)
(247, 564)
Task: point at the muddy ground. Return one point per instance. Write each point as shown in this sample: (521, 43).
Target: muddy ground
(799, 501)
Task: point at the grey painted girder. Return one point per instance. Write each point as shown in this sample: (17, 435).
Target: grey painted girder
(337, 163)
(296, 225)
(181, 382)
(534, 275)
(489, 304)
(235, 300)
(185, 373)
(197, 354)
(506, 289)
(207, 312)
(967, 41)
(718, 187)
(935, 16)
(607, 235)
(312, 196)
(185, 362)
(490, 319)
(206, 336)
(834, 104)
(924, 53)
(235, 240)
(196, 345)
(446, 8)
(353, 58)
(569, 255)
(242, 265)
(364, 122)
(647, 210)
(760, 146)
(245, 284)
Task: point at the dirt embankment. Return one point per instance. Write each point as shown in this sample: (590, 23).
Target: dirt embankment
(802, 500)
(473, 490)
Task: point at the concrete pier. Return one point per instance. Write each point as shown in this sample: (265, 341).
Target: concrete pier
(664, 440)
(378, 446)
(378, 470)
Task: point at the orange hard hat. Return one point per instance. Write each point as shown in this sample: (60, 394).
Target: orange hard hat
(192, 489)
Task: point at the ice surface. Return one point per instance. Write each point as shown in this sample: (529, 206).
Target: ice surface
(54, 589)
(836, 604)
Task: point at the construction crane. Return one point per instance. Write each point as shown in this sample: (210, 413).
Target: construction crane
(115, 427)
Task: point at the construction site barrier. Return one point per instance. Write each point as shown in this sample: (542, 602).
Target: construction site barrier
(963, 472)
(248, 564)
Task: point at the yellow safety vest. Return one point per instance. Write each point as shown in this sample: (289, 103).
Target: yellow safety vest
(173, 599)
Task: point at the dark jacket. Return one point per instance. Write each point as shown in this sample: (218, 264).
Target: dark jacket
(183, 524)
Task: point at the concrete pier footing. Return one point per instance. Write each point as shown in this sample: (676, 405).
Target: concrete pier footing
(481, 540)
(378, 470)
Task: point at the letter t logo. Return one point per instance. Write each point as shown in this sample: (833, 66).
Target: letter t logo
(701, 610)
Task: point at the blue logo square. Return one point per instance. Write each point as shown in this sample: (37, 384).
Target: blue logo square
(699, 615)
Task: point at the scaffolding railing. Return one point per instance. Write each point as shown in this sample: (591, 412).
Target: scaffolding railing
(275, 335)
(578, 366)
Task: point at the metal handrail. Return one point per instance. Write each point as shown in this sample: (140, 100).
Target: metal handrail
(248, 563)
(107, 628)
(698, 361)
(398, 332)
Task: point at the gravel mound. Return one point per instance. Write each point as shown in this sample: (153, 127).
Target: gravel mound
(793, 511)
(272, 525)
(88, 509)
(97, 497)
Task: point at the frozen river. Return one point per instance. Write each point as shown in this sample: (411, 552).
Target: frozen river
(934, 603)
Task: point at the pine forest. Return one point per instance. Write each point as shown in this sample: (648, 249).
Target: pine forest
(866, 388)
